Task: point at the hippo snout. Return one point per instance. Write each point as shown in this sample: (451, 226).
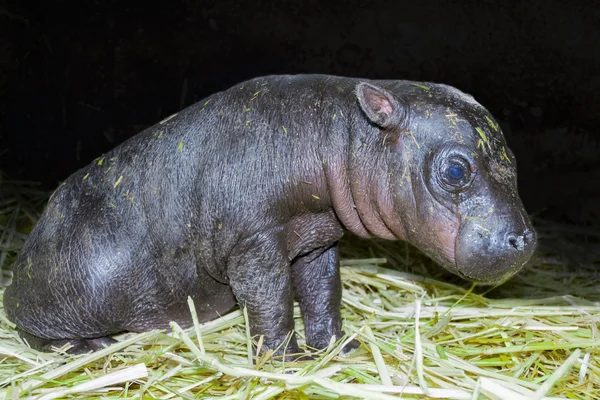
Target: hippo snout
(487, 256)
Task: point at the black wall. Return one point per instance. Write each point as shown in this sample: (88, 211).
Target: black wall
(77, 78)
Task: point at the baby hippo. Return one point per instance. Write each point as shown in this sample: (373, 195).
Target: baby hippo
(243, 197)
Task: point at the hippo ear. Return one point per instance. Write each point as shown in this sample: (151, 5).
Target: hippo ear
(380, 106)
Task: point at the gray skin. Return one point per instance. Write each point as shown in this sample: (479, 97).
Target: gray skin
(243, 197)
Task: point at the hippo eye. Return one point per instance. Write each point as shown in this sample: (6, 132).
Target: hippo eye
(455, 172)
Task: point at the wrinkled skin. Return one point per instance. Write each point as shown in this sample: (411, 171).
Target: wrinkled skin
(243, 198)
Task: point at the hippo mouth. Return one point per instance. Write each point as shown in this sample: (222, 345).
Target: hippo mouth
(495, 281)
(471, 251)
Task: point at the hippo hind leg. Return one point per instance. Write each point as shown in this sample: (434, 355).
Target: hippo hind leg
(78, 346)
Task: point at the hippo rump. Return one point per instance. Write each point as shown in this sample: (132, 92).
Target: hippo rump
(243, 197)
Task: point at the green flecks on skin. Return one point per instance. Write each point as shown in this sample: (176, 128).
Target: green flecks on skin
(206, 102)
(118, 181)
(256, 94)
(168, 118)
(202, 109)
(180, 148)
(403, 174)
(86, 176)
(489, 212)
(486, 230)
(453, 118)
(129, 196)
(111, 204)
(413, 138)
(385, 138)
(421, 86)
(492, 123)
(484, 138)
(284, 130)
(248, 109)
(315, 197)
(100, 161)
(482, 134)
(160, 134)
(107, 170)
(505, 156)
(480, 144)
(247, 123)
(220, 113)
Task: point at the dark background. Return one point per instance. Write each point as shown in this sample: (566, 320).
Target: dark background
(77, 78)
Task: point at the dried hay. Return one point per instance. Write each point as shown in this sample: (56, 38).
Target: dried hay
(535, 337)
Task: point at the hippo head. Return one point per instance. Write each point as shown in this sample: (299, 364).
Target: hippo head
(446, 181)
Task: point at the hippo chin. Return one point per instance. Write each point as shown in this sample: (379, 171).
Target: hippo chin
(243, 197)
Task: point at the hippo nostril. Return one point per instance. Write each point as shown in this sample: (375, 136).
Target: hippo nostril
(516, 241)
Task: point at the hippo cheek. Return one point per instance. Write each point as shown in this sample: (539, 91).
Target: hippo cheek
(493, 250)
(439, 241)
(445, 235)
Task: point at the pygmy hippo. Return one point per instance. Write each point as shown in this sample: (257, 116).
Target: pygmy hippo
(243, 198)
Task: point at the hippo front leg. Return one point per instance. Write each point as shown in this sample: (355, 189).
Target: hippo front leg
(318, 286)
(261, 282)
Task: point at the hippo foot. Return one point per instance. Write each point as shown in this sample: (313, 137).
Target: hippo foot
(78, 346)
(353, 344)
(323, 342)
(291, 354)
(297, 357)
(297, 354)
